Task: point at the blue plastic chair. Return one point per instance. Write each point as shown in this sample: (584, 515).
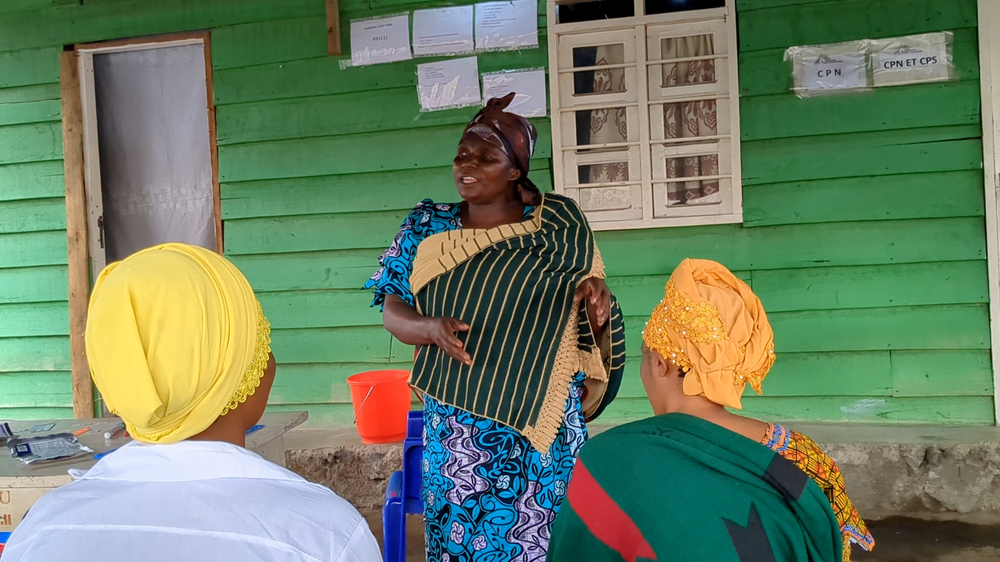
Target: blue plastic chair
(403, 495)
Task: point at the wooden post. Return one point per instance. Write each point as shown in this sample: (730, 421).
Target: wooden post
(76, 232)
(333, 27)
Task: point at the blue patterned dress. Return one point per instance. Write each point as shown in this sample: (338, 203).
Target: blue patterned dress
(489, 496)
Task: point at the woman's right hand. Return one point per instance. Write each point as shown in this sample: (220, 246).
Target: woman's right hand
(444, 333)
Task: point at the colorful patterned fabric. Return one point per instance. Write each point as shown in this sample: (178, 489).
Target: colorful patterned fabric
(807, 455)
(426, 219)
(489, 495)
(677, 487)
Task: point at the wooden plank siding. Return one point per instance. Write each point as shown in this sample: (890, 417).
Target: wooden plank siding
(843, 199)
(863, 236)
(34, 285)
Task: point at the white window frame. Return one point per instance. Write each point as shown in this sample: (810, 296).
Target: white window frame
(644, 32)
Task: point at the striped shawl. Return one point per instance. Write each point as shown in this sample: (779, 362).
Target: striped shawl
(514, 285)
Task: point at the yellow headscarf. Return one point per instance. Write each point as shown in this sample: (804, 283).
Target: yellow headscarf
(175, 339)
(712, 325)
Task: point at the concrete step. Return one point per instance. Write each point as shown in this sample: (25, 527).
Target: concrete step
(921, 471)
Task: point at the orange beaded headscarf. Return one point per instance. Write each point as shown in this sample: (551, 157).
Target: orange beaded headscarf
(712, 325)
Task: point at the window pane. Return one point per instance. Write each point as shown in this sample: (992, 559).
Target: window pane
(692, 166)
(690, 119)
(595, 11)
(603, 173)
(688, 72)
(669, 6)
(601, 126)
(606, 198)
(694, 192)
(599, 81)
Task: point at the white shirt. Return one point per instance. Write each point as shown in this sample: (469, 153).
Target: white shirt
(193, 501)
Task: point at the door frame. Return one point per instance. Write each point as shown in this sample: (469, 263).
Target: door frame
(989, 68)
(83, 201)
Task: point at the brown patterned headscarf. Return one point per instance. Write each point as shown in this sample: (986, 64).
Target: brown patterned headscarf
(511, 133)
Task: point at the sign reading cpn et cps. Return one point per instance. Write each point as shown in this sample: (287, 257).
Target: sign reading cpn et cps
(912, 60)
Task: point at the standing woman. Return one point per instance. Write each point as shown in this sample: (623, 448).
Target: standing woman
(519, 342)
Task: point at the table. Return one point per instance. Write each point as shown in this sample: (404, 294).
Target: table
(21, 486)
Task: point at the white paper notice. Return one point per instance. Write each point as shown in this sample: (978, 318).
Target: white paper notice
(834, 72)
(528, 85)
(380, 40)
(443, 31)
(825, 69)
(910, 60)
(447, 84)
(506, 25)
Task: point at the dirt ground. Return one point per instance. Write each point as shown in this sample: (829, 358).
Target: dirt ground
(897, 540)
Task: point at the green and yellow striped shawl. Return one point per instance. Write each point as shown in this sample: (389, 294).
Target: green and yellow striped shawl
(514, 285)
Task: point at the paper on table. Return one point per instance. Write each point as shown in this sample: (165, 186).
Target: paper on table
(443, 31)
(447, 84)
(506, 25)
(529, 86)
(380, 40)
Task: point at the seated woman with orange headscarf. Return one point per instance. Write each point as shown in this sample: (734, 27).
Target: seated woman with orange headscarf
(180, 349)
(698, 482)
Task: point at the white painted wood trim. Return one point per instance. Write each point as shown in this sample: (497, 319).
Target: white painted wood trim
(555, 106)
(626, 23)
(645, 158)
(91, 165)
(989, 66)
(142, 45)
(736, 164)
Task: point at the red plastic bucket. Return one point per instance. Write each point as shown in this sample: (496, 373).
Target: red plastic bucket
(381, 402)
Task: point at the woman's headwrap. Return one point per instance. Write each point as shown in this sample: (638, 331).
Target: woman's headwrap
(511, 133)
(712, 325)
(175, 339)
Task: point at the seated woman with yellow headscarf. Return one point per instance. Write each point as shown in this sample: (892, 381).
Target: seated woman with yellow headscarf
(180, 349)
(698, 482)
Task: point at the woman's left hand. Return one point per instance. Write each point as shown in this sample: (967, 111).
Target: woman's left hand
(598, 297)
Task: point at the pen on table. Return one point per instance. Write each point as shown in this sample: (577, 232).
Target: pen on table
(115, 430)
(100, 456)
(81, 431)
(254, 428)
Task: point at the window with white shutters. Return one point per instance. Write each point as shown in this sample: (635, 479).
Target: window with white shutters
(645, 111)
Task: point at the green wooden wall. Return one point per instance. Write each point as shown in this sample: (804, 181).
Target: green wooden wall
(864, 231)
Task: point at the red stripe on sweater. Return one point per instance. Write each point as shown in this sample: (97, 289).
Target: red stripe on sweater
(604, 519)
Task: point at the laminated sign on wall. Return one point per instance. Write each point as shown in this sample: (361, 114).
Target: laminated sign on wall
(528, 86)
(511, 24)
(443, 31)
(825, 69)
(380, 40)
(448, 84)
(913, 59)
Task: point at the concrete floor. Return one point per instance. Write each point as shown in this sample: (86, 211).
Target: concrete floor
(913, 540)
(897, 540)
